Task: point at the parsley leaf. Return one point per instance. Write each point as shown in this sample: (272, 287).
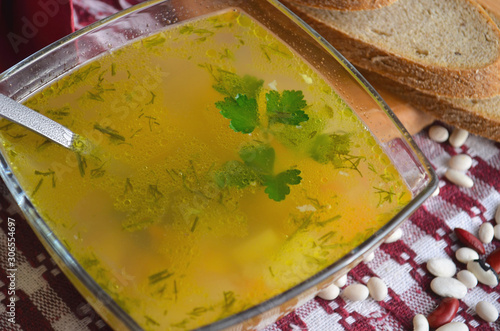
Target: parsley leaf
(235, 173)
(327, 148)
(242, 111)
(257, 166)
(259, 157)
(286, 108)
(278, 186)
(231, 84)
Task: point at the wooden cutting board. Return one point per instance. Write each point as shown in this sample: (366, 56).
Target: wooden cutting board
(413, 119)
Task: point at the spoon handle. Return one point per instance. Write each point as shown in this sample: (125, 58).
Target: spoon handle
(30, 119)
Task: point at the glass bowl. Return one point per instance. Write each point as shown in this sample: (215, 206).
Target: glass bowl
(271, 21)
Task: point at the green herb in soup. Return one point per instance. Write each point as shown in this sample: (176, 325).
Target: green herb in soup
(224, 171)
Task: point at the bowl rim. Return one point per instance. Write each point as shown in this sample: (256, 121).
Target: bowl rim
(55, 246)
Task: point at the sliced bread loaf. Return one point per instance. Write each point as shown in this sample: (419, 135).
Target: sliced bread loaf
(478, 116)
(344, 4)
(442, 47)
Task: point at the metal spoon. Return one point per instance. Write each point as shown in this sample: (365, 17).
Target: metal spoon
(30, 119)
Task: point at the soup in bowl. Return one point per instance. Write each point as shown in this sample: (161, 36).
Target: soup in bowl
(233, 161)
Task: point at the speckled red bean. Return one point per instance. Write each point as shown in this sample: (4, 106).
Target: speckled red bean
(486, 233)
(483, 272)
(438, 133)
(469, 240)
(444, 313)
(494, 260)
(497, 215)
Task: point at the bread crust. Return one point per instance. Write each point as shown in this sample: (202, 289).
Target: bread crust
(345, 5)
(475, 83)
(453, 111)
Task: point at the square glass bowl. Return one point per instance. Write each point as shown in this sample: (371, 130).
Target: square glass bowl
(333, 96)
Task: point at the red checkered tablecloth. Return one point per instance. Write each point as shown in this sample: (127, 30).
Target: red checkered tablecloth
(46, 300)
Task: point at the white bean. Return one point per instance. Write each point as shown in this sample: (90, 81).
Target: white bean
(454, 326)
(341, 281)
(460, 162)
(448, 287)
(436, 192)
(459, 178)
(458, 137)
(497, 215)
(329, 293)
(466, 254)
(467, 278)
(487, 311)
(438, 133)
(395, 236)
(496, 231)
(369, 257)
(486, 233)
(356, 292)
(440, 267)
(377, 288)
(420, 323)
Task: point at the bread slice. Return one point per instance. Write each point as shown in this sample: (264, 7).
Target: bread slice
(344, 4)
(442, 47)
(478, 116)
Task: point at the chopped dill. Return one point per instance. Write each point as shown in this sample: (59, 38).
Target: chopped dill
(193, 227)
(82, 163)
(135, 132)
(37, 187)
(332, 219)
(384, 195)
(50, 173)
(152, 101)
(133, 226)
(175, 290)
(98, 172)
(198, 311)
(229, 299)
(113, 134)
(128, 186)
(95, 96)
(17, 136)
(154, 192)
(149, 320)
(159, 276)
(6, 126)
(274, 49)
(43, 145)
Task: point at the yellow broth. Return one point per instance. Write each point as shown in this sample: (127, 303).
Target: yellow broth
(223, 171)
